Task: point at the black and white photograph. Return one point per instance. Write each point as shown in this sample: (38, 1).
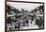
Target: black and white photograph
(24, 16)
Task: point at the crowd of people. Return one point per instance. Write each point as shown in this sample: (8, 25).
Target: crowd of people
(17, 22)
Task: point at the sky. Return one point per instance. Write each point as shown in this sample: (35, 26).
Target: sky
(25, 6)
